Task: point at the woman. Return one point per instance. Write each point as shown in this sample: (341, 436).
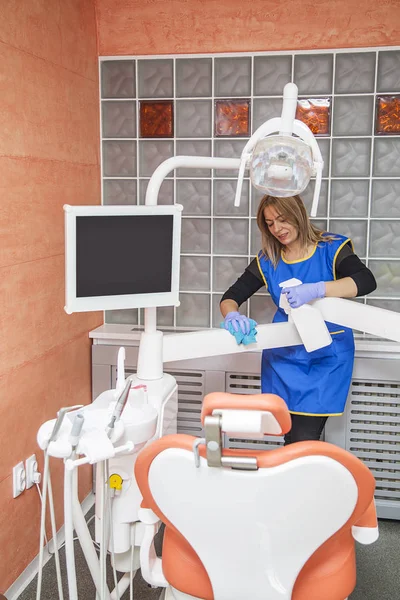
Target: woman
(314, 385)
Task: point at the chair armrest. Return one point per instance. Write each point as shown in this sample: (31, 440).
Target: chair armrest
(365, 535)
(366, 529)
(150, 563)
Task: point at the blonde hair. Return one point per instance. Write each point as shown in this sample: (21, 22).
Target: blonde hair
(294, 212)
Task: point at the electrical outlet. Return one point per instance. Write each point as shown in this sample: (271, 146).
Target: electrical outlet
(32, 473)
(19, 479)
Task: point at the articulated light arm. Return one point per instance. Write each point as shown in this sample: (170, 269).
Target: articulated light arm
(289, 107)
(150, 363)
(368, 319)
(188, 162)
(216, 342)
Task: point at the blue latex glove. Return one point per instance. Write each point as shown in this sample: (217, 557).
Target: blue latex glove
(237, 321)
(243, 329)
(301, 294)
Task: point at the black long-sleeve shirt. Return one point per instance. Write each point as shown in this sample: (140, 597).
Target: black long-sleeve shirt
(347, 265)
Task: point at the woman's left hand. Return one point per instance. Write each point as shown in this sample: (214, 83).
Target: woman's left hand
(301, 294)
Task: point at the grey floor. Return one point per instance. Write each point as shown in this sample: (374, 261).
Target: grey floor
(378, 573)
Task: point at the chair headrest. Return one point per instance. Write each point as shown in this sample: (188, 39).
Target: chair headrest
(256, 414)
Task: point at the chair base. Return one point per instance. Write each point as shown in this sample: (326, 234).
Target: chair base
(171, 593)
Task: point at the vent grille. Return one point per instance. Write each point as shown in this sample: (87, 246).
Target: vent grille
(373, 433)
(237, 383)
(190, 399)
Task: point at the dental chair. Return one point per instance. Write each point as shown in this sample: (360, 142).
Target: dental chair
(247, 524)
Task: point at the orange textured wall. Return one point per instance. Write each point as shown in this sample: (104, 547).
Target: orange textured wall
(49, 155)
(198, 26)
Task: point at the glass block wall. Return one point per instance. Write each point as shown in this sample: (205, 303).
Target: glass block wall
(208, 105)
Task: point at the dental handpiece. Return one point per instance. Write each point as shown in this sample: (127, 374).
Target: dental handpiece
(119, 407)
(76, 430)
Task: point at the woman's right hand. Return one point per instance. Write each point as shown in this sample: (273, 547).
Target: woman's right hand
(237, 321)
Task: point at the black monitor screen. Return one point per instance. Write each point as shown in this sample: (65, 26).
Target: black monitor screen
(130, 254)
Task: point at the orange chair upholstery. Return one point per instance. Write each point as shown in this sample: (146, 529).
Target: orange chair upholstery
(321, 567)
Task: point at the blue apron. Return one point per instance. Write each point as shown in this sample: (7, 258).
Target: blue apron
(311, 383)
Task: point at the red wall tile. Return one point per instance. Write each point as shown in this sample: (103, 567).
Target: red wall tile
(62, 33)
(43, 110)
(49, 156)
(32, 219)
(175, 27)
(58, 378)
(40, 324)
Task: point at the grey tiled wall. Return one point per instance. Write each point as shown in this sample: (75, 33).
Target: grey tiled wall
(360, 194)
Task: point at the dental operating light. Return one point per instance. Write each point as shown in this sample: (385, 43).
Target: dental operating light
(281, 164)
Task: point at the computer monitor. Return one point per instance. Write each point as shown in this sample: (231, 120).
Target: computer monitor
(121, 257)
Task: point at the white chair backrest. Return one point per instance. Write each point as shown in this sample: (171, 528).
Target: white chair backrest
(253, 530)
